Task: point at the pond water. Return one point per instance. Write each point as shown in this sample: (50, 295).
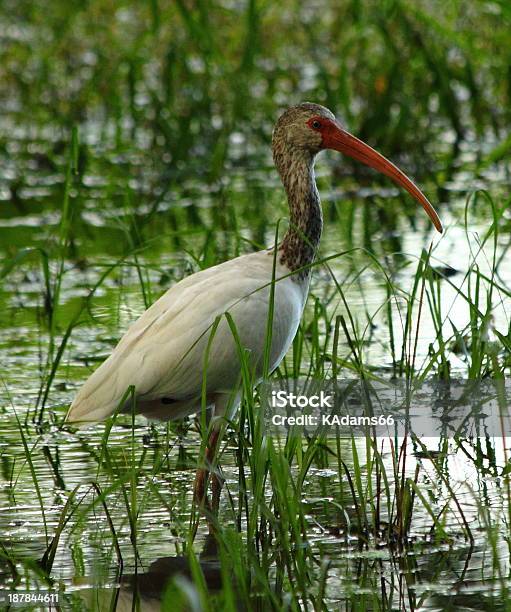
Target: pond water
(139, 245)
(455, 573)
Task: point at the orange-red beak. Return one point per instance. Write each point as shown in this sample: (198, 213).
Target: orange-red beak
(334, 137)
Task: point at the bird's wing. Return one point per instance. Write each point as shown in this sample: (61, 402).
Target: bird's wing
(162, 354)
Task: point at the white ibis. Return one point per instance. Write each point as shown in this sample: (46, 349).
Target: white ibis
(162, 355)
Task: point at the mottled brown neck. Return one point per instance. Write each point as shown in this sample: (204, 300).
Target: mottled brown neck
(299, 246)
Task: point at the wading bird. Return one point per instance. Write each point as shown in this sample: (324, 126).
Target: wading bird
(182, 349)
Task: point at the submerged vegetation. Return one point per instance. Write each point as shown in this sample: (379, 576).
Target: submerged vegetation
(134, 150)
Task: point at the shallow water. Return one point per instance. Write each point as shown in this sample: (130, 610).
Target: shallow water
(192, 221)
(429, 573)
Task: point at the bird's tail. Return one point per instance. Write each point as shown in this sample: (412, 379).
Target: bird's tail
(98, 399)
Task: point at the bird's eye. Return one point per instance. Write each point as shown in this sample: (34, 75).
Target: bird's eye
(316, 124)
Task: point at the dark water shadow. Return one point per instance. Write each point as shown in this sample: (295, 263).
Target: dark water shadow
(145, 591)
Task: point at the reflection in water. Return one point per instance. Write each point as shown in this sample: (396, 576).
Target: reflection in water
(459, 581)
(166, 577)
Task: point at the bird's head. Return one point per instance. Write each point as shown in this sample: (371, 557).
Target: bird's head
(309, 128)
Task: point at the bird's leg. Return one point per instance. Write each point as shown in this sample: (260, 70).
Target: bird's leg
(201, 477)
(223, 403)
(199, 486)
(217, 482)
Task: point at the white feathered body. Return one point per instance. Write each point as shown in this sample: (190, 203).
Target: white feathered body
(162, 355)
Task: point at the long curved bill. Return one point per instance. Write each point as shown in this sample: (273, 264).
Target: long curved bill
(340, 140)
